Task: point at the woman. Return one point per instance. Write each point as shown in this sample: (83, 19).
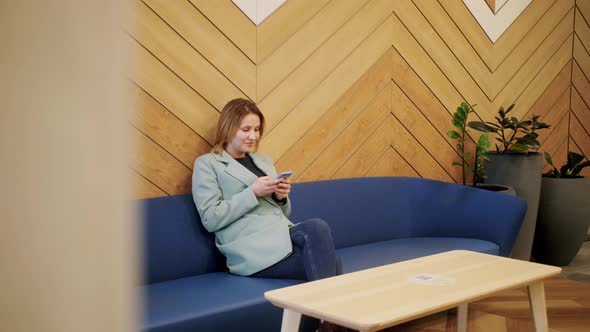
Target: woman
(239, 199)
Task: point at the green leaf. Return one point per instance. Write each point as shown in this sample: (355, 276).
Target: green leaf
(579, 167)
(501, 112)
(548, 158)
(518, 148)
(468, 169)
(509, 108)
(524, 124)
(483, 143)
(574, 158)
(453, 134)
(457, 124)
(480, 126)
(529, 140)
(455, 163)
(467, 155)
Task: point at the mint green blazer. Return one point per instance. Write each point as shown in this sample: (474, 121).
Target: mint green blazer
(252, 232)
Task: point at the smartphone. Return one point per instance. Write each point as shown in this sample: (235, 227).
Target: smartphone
(284, 175)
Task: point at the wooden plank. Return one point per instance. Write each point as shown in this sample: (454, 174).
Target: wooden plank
(438, 51)
(425, 68)
(230, 20)
(325, 95)
(557, 135)
(391, 164)
(350, 138)
(157, 80)
(332, 19)
(193, 26)
(163, 127)
(494, 54)
(581, 110)
(346, 110)
(580, 82)
(443, 25)
(422, 130)
(582, 57)
(585, 172)
(584, 8)
(556, 25)
(142, 188)
(156, 36)
(582, 30)
(361, 160)
(407, 80)
(558, 87)
(158, 166)
(539, 84)
(335, 51)
(558, 156)
(284, 23)
(555, 113)
(493, 82)
(580, 135)
(542, 58)
(406, 145)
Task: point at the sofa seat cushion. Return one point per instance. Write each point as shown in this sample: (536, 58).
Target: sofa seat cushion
(211, 302)
(371, 255)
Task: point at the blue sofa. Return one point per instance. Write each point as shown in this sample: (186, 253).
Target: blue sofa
(375, 221)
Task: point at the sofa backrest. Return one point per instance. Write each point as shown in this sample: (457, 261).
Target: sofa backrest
(366, 210)
(175, 243)
(359, 211)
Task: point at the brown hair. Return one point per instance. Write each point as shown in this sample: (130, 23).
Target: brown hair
(229, 122)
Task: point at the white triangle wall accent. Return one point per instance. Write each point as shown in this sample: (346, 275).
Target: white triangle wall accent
(258, 10)
(496, 24)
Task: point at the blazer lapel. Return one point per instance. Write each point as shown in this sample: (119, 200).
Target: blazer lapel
(267, 169)
(236, 169)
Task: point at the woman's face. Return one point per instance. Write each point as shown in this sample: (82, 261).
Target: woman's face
(246, 137)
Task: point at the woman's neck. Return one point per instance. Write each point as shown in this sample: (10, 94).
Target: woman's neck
(235, 155)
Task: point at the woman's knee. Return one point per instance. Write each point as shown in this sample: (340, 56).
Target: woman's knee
(315, 225)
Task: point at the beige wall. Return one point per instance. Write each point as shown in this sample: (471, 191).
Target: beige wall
(67, 240)
(349, 88)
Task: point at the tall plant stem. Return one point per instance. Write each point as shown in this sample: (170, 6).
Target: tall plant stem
(504, 140)
(475, 166)
(463, 154)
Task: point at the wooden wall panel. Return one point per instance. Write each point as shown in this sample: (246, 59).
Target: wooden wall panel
(579, 131)
(211, 43)
(350, 88)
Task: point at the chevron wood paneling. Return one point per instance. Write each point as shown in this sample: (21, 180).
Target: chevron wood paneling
(349, 88)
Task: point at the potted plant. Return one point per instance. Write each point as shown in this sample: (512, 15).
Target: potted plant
(475, 167)
(564, 211)
(516, 163)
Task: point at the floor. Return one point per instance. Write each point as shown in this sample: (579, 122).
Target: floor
(579, 268)
(567, 298)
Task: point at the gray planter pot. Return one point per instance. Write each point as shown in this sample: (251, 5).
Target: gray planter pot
(523, 173)
(564, 217)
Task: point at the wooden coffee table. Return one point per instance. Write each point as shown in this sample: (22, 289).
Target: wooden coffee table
(377, 298)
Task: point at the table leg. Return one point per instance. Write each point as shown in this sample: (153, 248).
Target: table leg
(291, 320)
(462, 317)
(538, 308)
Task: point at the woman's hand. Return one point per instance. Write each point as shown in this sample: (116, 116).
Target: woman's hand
(283, 189)
(264, 186)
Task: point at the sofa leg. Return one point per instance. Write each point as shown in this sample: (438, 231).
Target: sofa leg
(291, 320)
(462, 318)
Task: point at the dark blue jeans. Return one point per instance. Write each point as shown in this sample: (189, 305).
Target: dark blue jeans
(313, 255)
